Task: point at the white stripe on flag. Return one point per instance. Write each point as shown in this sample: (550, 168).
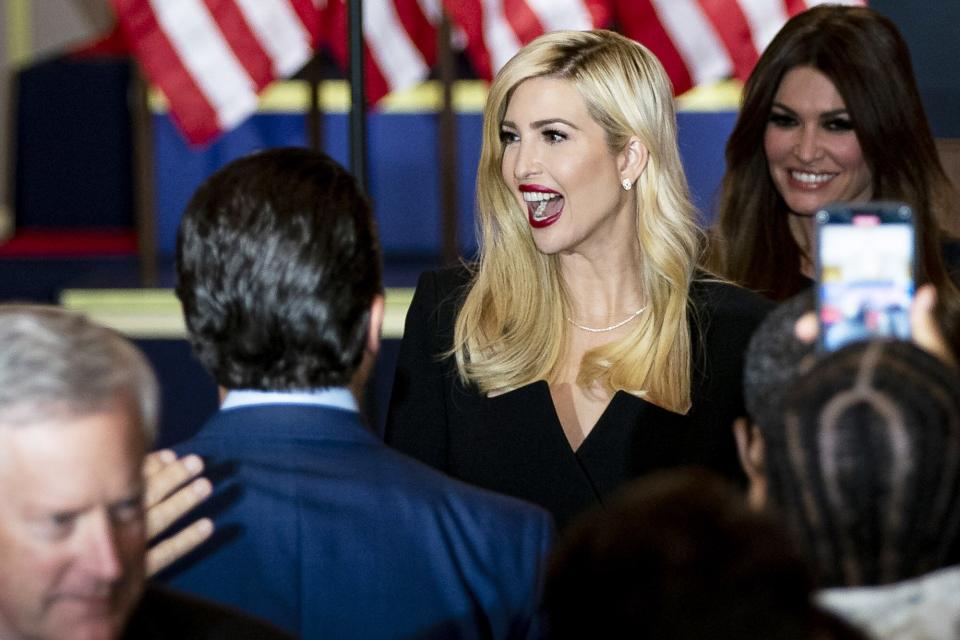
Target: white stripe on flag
(765, 18)
(561, 14)
(280, 32)
(210, 61)
(395, 53)
(433, 10)
(498, 35)
(696, 41)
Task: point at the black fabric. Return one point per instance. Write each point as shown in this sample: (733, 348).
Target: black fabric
(513, 443)
(167, 615)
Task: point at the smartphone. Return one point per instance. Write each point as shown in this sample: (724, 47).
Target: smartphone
(866, 271)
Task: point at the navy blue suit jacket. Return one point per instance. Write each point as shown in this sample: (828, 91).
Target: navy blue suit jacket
(325, 531)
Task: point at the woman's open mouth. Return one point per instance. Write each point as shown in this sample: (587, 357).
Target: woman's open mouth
(543, 207)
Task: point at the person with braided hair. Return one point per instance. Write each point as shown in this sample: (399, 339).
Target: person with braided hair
(862, 465)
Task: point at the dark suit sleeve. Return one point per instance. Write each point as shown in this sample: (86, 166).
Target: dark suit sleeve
(417, 418)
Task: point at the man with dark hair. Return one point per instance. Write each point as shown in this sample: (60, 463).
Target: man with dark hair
(321, 528)
(78, 410)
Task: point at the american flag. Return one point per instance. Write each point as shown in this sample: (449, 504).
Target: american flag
(211, 58)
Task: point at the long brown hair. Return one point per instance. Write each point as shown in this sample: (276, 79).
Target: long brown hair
(866, 59)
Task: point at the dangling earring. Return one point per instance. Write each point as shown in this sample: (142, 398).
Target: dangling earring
(626, 184)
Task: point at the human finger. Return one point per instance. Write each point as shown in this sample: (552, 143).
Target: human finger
(175, 547)
(168, 475)
(923, 325)
(157, 460)
(806, 329)
(162, 514)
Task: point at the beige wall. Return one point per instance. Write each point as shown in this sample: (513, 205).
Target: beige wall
(31, 29)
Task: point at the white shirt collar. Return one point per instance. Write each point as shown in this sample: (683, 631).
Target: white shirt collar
(336, 397)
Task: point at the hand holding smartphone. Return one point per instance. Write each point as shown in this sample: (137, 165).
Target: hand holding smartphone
(866, 266)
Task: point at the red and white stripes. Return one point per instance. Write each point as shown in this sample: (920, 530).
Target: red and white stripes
(702, 41)
(211, 58)
(495, 29)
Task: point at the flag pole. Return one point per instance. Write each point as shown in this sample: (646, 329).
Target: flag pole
(311, 75)
(358, 110)
(144, 171)
(447, 151)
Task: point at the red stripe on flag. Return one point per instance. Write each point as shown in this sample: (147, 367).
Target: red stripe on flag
(468, 15)
(242, 40)
(335, 20)
(732, 26)
(639, 20)
(335, 24)
(793, 7)
(327, 33)
(524, 22)
(309, 15)
(600, 12)
(418, 28)
(162, 64)
(375, 83)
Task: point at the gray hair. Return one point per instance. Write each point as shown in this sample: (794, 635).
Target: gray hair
(55, 362)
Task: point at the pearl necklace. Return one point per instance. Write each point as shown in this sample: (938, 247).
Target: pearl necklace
(611, 327)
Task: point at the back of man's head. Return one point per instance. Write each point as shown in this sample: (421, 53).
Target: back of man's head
(278, 264)
(864, 463)
(78, 406)
(678, 555)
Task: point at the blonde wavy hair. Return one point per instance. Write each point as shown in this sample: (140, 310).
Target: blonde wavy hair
(510, 330)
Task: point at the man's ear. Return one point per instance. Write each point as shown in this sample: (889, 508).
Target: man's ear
(751, 453)
(633, 160)
(376, 324)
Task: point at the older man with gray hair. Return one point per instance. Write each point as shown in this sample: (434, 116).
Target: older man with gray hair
(78, 411)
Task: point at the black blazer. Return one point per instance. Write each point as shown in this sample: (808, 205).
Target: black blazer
(513, 443)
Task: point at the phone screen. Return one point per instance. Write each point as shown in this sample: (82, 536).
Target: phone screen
(865, 273)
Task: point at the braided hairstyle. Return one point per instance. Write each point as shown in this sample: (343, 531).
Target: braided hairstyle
(864, 463)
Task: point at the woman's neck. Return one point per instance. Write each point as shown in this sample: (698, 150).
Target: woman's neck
(603, 290)
(801, 228)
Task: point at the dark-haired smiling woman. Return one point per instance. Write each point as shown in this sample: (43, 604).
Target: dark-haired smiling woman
(830, 113)
(583, 348)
